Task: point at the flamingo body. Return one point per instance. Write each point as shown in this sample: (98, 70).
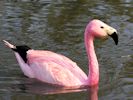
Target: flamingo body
(57, 69)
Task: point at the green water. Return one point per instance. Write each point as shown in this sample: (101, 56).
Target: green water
(58, 25)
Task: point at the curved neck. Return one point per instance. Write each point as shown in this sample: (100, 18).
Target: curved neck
(93, 76)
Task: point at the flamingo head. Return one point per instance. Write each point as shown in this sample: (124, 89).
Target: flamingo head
(99, 29)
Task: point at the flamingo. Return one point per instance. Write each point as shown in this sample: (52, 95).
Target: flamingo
(56, 69)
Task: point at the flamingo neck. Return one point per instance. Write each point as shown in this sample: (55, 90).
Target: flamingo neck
(93, 76)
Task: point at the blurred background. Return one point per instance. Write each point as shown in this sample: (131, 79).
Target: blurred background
(58, 25)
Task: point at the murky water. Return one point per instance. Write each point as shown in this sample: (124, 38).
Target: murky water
(58, 25)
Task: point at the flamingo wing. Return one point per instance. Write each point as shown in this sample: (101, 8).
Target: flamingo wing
(55, 68)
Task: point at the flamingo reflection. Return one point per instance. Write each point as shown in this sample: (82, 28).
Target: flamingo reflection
(37, 87)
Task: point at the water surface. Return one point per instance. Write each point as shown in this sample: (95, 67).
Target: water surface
(58, 25)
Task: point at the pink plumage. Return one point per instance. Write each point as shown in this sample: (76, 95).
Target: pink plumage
(57, 69)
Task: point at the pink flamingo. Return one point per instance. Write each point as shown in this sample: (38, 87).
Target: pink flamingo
(53, 68)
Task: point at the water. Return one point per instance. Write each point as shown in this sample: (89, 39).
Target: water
(58, 25)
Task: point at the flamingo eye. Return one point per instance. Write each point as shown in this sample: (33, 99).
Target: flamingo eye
(101, 27)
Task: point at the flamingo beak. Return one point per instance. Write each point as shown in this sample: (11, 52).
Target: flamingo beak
(9, 44)
(114, 37)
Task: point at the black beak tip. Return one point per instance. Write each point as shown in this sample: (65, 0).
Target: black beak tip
(115, 37)
(116, 43)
